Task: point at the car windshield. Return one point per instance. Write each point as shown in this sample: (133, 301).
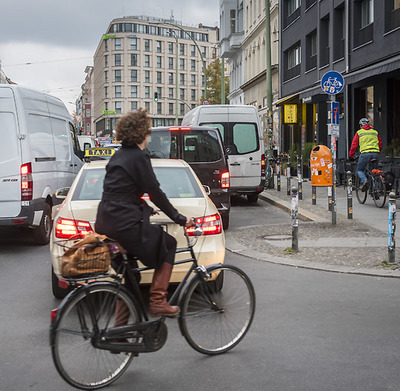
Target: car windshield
(198, 145)
(175, 182)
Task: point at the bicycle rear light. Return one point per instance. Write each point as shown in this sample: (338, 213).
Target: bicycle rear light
(72, 229)
(53, 315)
(211, 225)
(225, 180)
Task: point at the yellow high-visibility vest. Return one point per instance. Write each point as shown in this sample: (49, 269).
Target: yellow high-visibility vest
(368, 140)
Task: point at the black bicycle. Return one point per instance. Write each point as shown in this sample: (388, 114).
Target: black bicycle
(376, 186)
(217, 308)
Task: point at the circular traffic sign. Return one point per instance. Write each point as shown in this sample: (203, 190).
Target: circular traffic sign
(332, 82)
(206, 102)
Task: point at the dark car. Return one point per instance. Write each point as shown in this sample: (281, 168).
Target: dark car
(203, 149)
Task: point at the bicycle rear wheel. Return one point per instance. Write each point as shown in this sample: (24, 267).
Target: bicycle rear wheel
(379, 191)
(361, 195)
(216, 314)
(85, 315)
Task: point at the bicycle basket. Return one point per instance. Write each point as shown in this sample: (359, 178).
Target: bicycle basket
(87, 256)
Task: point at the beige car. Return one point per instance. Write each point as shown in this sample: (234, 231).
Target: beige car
(77, 214)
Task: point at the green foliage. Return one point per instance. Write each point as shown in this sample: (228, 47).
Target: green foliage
(214, 80)
(308, 147)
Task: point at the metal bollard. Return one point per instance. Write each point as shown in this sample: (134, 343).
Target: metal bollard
(330, 198)
(299, 180)
(314, 195)
(288, 180)
(349, 195)
(392, 228)
(295, 220)
(278, 175)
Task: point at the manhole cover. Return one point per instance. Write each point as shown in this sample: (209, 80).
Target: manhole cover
(277, 237)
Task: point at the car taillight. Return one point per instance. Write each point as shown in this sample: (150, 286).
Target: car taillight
(175, 129)
(211, 225)
(72, 229)
(225, 180)
(26, 182)
(263, 165)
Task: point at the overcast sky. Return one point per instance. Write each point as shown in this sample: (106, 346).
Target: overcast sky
(46, 44)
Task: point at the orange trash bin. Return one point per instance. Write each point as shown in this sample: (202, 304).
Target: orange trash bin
(321, 166)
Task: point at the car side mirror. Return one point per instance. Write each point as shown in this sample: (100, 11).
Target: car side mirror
(207, 189)
(62, 193)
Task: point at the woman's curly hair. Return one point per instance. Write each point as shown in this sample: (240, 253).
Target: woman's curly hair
(132, 128)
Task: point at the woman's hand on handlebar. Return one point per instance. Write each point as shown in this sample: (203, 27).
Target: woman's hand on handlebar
(189, 222)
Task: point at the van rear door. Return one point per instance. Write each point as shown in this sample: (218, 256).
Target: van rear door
(10, 152)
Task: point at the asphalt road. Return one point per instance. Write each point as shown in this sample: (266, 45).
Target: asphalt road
(313, 330)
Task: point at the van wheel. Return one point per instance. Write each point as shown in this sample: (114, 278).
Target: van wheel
(225, 221)
(252, 197)
(41, 234)
(58, 293)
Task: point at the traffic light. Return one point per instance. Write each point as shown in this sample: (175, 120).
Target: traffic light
(155, 96)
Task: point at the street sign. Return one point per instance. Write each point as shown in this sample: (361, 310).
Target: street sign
(205, 102)
(332, 82)
(334, 113)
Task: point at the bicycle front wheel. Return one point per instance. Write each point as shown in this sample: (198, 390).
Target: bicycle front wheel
(87, 313)
(361, 195)
(217, 313)
(379, 191)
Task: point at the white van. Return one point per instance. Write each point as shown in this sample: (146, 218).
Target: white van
(39, 153)
(86, 142)
(243, 137)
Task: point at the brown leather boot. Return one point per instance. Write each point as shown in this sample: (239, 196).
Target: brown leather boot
(158, 292)
(121, 314)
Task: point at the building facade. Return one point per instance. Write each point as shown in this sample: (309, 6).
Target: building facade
(359, 39)
(153, 63)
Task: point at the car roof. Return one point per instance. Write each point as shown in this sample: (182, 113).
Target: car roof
(184, 128)
(155, 163)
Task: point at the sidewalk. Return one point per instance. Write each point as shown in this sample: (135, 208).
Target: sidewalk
(356, 246)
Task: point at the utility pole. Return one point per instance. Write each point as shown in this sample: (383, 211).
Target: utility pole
(222, 81)
(268, 75)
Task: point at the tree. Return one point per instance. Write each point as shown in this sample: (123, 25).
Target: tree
(214, 76)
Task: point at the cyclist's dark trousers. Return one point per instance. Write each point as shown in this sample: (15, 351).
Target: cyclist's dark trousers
(362, 164)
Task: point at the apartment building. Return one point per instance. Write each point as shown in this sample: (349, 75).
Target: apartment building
(153, 63)
(359, 39)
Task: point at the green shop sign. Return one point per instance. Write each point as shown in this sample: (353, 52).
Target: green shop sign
(105, 112)
(107, 36)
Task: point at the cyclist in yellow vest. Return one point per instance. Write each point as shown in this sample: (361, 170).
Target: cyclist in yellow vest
(370, 143)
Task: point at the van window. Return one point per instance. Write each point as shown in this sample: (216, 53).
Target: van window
(220, 127)
(61, 140)
(9, 146)
(245, 138)
(163, 145)
(201, 146)
(40, 135)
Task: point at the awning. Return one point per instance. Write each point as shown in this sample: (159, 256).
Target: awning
(285, 99)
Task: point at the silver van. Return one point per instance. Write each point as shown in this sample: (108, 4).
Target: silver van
(243, 137)
(39, 153)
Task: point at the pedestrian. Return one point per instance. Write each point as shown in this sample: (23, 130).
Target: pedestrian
(370, 143)
(124, 215)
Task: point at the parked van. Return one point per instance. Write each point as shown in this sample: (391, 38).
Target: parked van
(243, 136)
(39, 153)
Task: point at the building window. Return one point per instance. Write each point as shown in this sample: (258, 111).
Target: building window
(118, 107)
(159, 78)
(232, 14)
(294, 57)
(133, 43)
(134, 75)
(193, 94)
(105, 105)
(182, 49)
(392, 15)
(159, 92)
(147, 61)
(193, 65)
(117, 75)
(182, 93)
(106, 61)
(181, 78)
(106, 45)
(202, 80)
(192, 50)
(170, 78)
(311, 51)
(147, 45)
(87, 128)
(117, 60)
(324, 42)
(159, 47)
(396, 4)
(170, 93)
(105, 92)
(118, 91)
(117, 44)
(182, 64)
(147, 106)
(339, 36)
(147, 92)
(87, 113)
(170, 108)
(159, 108)
(134, 105)
(293, 5)
(367, 12)
(134, 92)
(159, 63)
(193, 80)
(170, 63)
(204, 51)
(170, 47)
(134, 60)
(147, 76)
(182, 109)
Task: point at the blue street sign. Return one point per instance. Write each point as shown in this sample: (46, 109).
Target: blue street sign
(335, 113)
(332, 82)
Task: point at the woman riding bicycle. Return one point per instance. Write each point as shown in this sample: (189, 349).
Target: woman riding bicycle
(370, 144)
(125, 217)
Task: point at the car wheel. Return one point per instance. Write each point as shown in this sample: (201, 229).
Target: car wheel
(225, 221)
(252, 197)
(41, 234)
(58, 293)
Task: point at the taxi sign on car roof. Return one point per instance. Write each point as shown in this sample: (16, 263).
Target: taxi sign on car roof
(99, 152)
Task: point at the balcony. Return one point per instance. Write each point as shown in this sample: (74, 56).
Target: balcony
(231, 44)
